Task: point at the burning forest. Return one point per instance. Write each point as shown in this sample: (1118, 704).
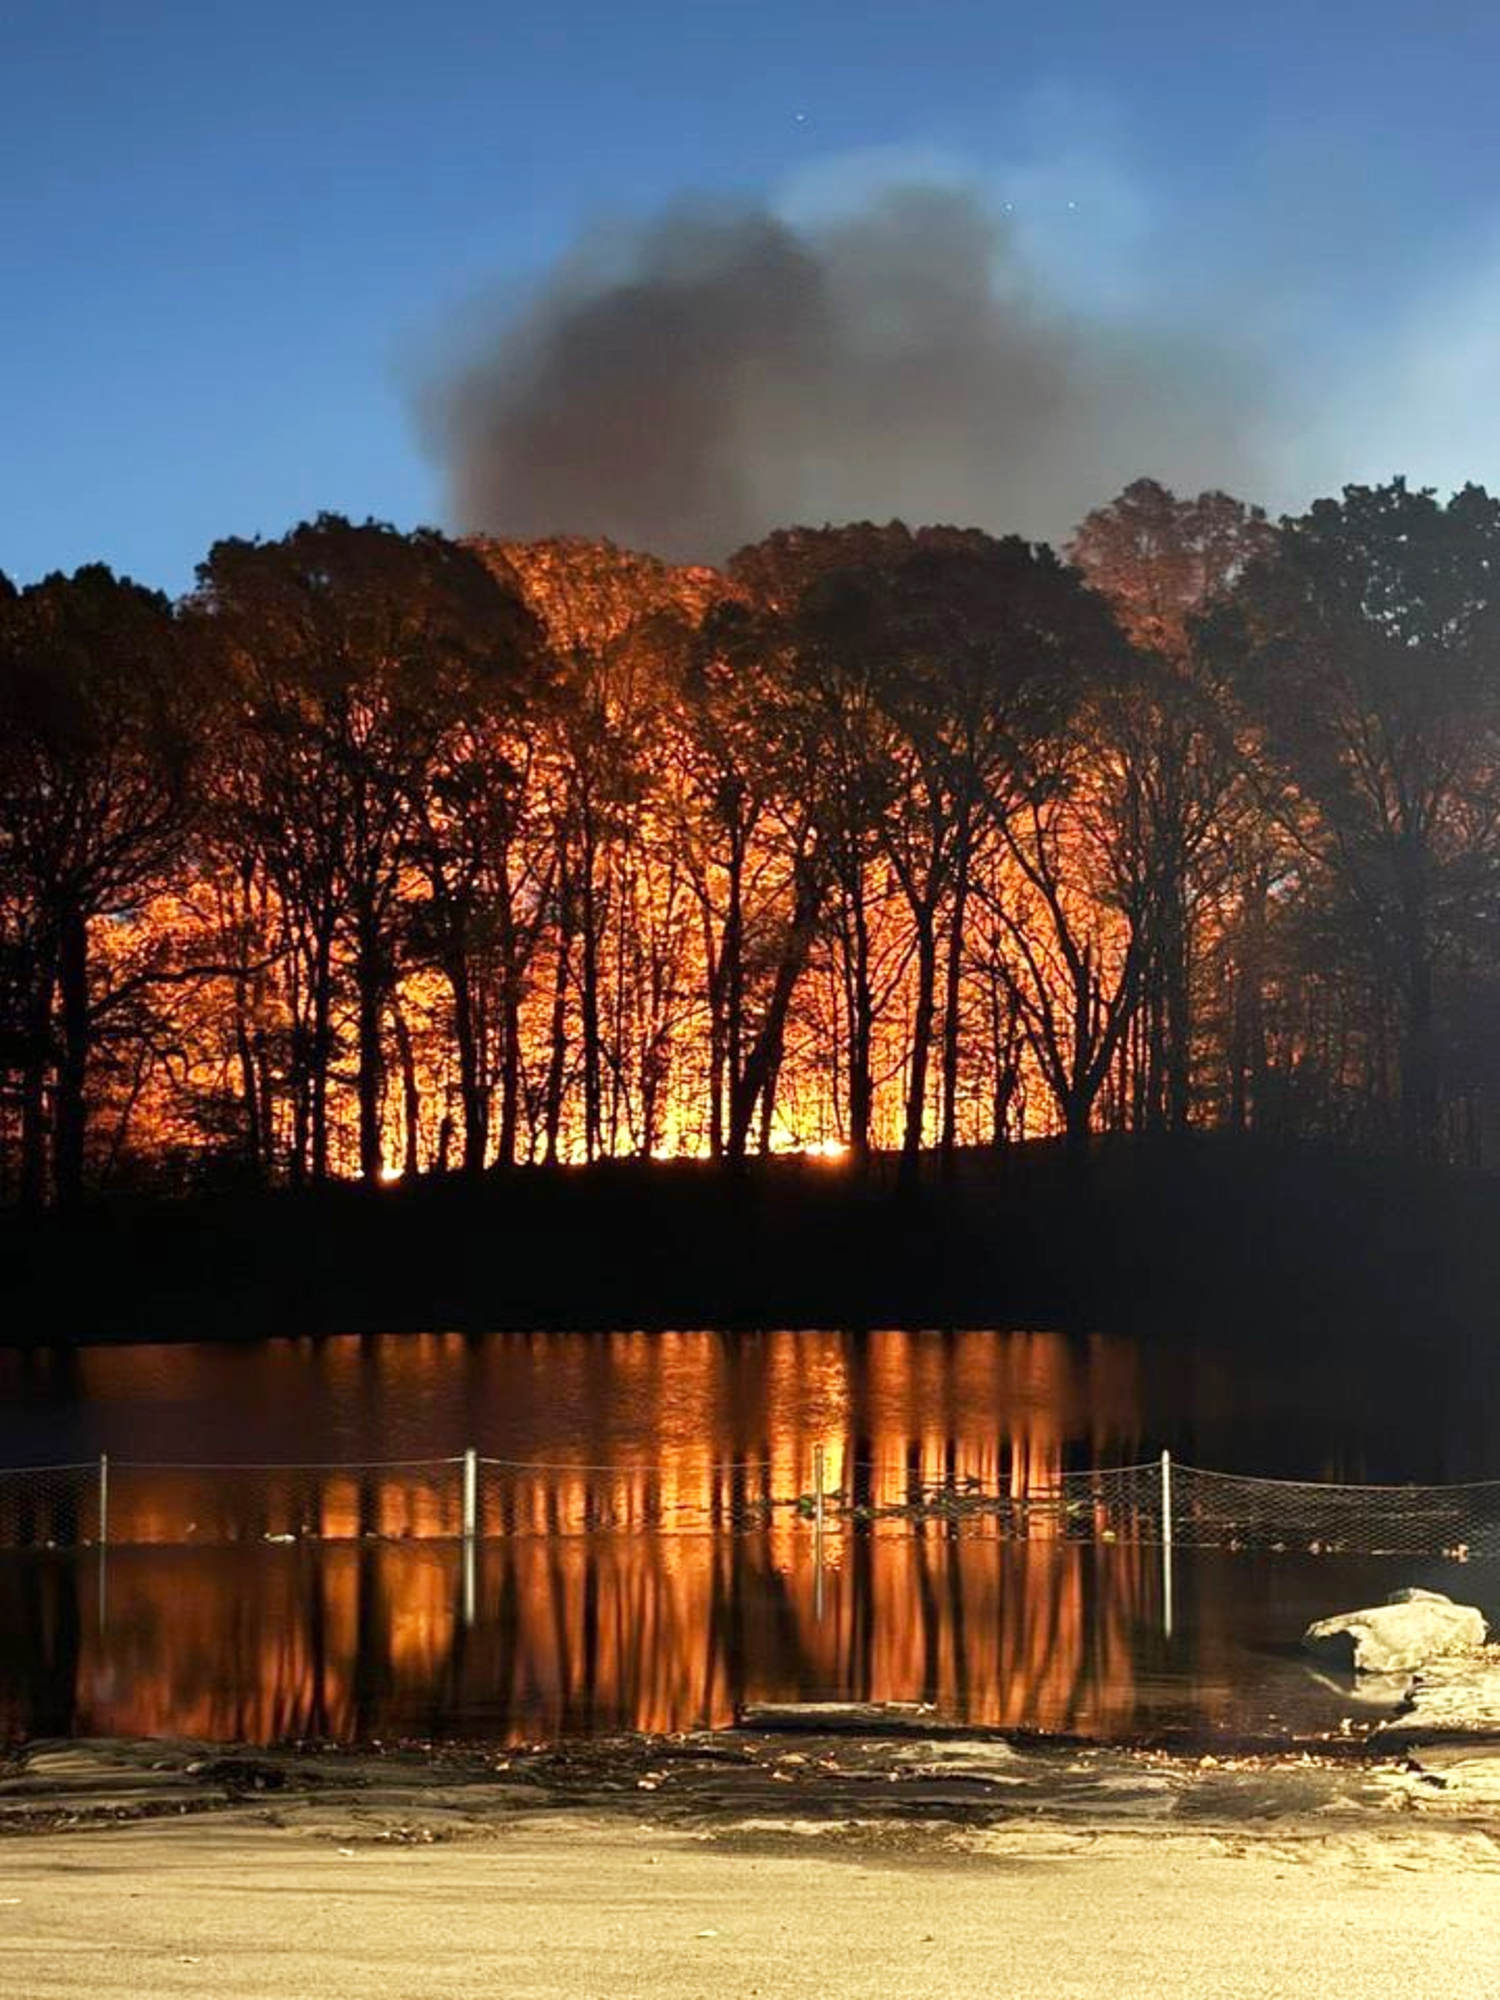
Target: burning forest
(384, 855)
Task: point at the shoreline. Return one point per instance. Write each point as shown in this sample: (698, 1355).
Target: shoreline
(1437, 1750)
(1158, 1237)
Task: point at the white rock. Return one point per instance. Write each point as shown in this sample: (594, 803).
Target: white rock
(1397, 1637)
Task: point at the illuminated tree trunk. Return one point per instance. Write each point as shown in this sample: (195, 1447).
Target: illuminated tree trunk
(411, 1096)
(1148, 1081)
(861, 1010)
(718, 1083)
(237, 912)
(724, 961)
(952, 1001)
(256, 1144)
(369, 987)
(510, 1070)
(471, 1092)
(510, 1023)
(757, 1082)
(921, 1045)
(768, 1108)
(593, 1095)
(321, 1054)
(1005, 1062)
(734, 962)
(558, 1037)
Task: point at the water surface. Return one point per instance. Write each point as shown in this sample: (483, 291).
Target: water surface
(643, 1563)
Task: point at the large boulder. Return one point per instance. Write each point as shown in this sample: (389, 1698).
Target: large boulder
(1409, 1629)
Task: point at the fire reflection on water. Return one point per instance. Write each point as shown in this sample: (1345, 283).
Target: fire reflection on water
(573, 1635)
(632, 1572)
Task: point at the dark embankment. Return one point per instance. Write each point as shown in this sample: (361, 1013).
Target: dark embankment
(1168, 1238)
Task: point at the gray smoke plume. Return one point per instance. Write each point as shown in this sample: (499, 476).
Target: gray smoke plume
(715, 375)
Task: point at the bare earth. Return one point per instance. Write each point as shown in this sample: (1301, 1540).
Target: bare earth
(739, 1866)
(562, 1905)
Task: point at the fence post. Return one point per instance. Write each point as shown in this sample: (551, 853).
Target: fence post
(103, 1538)
(471, 1523)
(1166, 1543)
(819, 1481)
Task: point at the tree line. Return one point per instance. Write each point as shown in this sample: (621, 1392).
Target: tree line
(385, 853)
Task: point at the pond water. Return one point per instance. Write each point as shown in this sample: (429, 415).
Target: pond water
(643, 1563)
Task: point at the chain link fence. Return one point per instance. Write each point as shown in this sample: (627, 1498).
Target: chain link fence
(122, 1503)
(1216, 1510)
(101, 1502)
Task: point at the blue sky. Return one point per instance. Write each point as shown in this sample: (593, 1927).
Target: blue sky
(231, 238)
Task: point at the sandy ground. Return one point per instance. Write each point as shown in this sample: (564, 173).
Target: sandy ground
(562, 1904)
(741, 1864)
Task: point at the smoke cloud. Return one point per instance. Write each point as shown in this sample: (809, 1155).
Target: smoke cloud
(689, 385)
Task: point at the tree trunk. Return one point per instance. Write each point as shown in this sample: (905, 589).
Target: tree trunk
(369, 985)
(73, 1057)
(472, 1096)
(718, 1079)
(1248, 1041)
(321, 1055)
(411, 1097)
(1179, 997)
(510, 1069)
(36, 1062)
(1418, 1078)
(921, 1044)
(1076, 1122)
(952, 999)
(861, 1032)
(255, 1142)
(510, 1020)
(732, 964)
(1003, 1058)
(593, 1093)
(557, 1056)
(763, 1063)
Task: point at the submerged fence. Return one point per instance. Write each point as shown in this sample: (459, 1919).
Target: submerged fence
(101, 1503)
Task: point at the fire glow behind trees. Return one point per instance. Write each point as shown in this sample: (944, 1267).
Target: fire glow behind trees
(384, 853)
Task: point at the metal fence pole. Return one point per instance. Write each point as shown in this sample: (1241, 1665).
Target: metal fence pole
(103, 1538)
(1166, 1543)
(471, 1524)
(819, 1482)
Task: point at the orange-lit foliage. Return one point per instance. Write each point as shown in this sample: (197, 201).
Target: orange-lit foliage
(554, 851)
